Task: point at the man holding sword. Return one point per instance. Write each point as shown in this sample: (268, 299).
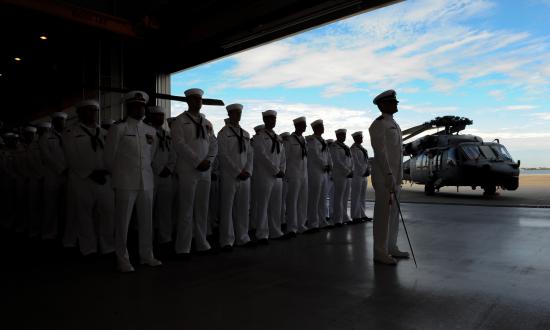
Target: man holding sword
(386, 140)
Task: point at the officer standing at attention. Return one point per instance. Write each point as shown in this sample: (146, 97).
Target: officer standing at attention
(319, 165)
(129, 151)
(164, 161)
(51, 149)
(361, 172)
(387, 174)
(196, 151)
(343, 170)
(253, 183)
(269, 170)
(296, 179)
(84, 145)
(235, 159)
(284, 137)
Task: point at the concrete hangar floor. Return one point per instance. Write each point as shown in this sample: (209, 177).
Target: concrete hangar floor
(480, 267)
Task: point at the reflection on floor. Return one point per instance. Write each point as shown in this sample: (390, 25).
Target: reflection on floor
(479, 267)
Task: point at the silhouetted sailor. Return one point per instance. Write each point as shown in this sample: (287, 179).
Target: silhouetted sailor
(55, 176)
(387, 174)
(361, 172)
(235, 159)
(164, 162)
(319, 165)
(196, 150)
(129, 152)
(269, 170)
(343, 170)
(296, 178)
(94, 198)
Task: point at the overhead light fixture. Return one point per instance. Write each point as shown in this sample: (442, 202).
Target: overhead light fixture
(17, 59)
(43, 37)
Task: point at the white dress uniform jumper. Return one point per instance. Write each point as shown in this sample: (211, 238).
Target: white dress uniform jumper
(269, 160)
(318, 175)
(343, 166)
(360, 158)
(235, 155)
(94, 202)
(296, 179)
(164, 158)
(193, 145)
(51, 148)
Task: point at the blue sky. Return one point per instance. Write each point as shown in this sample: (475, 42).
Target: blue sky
(486, 60)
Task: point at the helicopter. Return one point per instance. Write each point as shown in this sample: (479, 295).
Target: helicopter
(447, 158)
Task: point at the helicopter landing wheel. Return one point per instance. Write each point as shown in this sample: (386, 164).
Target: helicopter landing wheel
(429, 189)
(489, 190)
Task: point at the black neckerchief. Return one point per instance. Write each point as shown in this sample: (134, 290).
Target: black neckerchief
(323, 143)
(198, 126)
(275, 145)
(163, 140)
(345, 147)
(302, 146)
(364, 151)
(240, 137)
(58, 136)
(96, 141)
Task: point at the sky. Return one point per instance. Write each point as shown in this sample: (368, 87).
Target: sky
(485, 60)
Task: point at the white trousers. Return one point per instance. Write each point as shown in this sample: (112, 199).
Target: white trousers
(329, 198)
(296, 203)
(162, 208)
(317, 199)
(347, 192)
(268, 207)
(358, 197)
(34, 207)
(95, 209)
(70, 233)
(213, 206)
(283, 202)
(125, 201)
(340, 198)
(193, 194)
(385, 220)
(53, 192)
(234, 207)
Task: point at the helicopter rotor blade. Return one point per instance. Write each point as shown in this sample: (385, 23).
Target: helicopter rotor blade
(205, 101)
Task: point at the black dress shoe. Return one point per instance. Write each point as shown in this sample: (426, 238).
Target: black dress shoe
(357, 221)
(183, 256)
(311, 231)
(366, 219)
(263, 241)
(290, 235)
(227, 248)
(281, 238)
(249, 244)
(339, 225)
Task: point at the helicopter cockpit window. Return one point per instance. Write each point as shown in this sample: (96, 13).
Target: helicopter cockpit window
(502, 152)
(471, 151)
(488, 152)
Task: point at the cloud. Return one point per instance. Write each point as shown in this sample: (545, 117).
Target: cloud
(521, 107)
(497, 94)
(333, 117)
(542, 115)
(415, 40)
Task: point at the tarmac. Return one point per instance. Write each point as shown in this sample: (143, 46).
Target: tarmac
(479, 267)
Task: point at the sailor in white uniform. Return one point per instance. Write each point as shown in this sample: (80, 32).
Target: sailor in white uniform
(343, 170)
(284, 137)
(387, 175)
(84, 144)
(33, 171)
(55, 176)
(253, 184)
(319, 165)
(361, 172)
(164, 162)
(235, 159)
(196, 151)
(269, 170)
(129, 151)
(296, 178)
